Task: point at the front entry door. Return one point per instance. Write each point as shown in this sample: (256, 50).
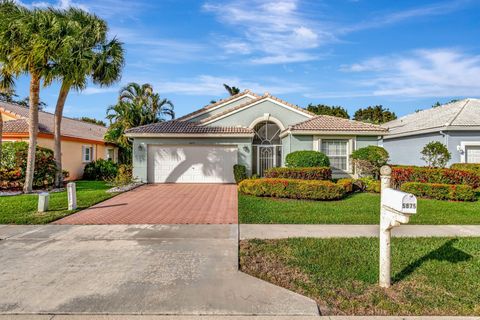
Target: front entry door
(266, 159)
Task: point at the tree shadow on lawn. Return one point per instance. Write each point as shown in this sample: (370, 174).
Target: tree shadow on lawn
(446, 252)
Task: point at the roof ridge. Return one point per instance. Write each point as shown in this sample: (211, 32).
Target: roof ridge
(219, 102)
(289, 104)
(232, 109)
(458, 113)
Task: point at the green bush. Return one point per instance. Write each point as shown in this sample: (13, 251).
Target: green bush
(369, 160)
(293, 189)
(367, 184)
(307, 159)
(124, 176)
(14, 166)
(440, 191)
(314, 173)
(347, 184)
(466, 166)
(100, 170)
(239, 173)
(436, 154)
(401, 175)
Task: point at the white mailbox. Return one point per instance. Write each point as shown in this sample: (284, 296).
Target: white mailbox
(399, 201)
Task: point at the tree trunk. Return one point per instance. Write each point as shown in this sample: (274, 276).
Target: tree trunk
(32, 130)
(57, 132)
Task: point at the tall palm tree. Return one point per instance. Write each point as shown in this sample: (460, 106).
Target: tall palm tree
(137, 105)
(231, 90)
(90, 56)
(29, 41)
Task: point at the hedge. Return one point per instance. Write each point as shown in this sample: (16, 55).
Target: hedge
(315, 173)
(13, 166)
(347, 184)
(440, 191)
(466, 166)
(239, 173)
(400, 175)
(368, 184)
(293, 189)
(100, 169)
(306, 158)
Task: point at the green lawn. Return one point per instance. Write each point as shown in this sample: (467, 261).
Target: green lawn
(22, 209)
(358, 208)
(431, 276)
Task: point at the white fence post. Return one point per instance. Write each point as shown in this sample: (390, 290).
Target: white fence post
(72, 196)
(43, 198)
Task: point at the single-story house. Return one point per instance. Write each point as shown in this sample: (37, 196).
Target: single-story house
(82, 142)
(255, 131)
(456, 124)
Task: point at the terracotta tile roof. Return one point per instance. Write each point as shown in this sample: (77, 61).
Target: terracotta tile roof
(186, 127)
(70, 127)
(221, 101)
(331, 123)
(259, 98)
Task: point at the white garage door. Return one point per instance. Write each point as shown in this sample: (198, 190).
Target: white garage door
(191, 164)
(473, 154)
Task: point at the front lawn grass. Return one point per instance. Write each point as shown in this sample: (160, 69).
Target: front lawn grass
(358, 208)
(22, 209)
(431, 276)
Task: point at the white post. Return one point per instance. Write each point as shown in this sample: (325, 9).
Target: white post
(43, 201)
(385, 227)
(72, 196)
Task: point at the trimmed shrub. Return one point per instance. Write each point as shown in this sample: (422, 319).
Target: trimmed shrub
(367, 184)
(14, 165)
(347, 184)
(124, 176)
(100, 170)
(436, 154)
(440, 191)
(307, 159)
(315, 173)
(466, 166)
(293, 189)
(239, 173)
(400, 175)
(369, 160)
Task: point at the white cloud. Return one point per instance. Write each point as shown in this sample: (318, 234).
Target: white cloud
(421, 73)
(207, 85)
(273, 31)
(97, 90)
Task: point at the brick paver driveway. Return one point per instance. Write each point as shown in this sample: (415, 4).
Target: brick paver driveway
(165, 204)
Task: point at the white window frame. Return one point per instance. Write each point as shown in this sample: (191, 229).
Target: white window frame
(107, 150)
(84, 153)
(317, 146)
(464, 145)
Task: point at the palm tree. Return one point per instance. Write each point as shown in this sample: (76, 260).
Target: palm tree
(6, 94)
(29, 41)
(231, 90)
(137, 105)
(89, 56)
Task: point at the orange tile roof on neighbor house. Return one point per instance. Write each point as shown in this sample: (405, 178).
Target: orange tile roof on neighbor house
(71, 128)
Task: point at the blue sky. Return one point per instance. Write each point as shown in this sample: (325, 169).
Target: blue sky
(405, 54)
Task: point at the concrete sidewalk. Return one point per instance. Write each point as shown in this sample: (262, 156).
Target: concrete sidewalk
(153, 317)
(133, 270)
(279, 231)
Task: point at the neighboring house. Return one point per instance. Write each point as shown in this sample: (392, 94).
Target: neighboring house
(457, 125)
(255, 131)
(82, 142)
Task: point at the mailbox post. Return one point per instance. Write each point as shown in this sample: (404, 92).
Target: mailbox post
(395, 209)
(72, 196)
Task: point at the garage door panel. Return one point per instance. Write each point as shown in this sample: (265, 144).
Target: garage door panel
(191, 164)
(473, 154)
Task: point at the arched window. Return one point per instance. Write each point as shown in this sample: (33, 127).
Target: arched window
(266, 133)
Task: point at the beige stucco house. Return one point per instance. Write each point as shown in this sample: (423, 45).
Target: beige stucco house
(82, 142)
